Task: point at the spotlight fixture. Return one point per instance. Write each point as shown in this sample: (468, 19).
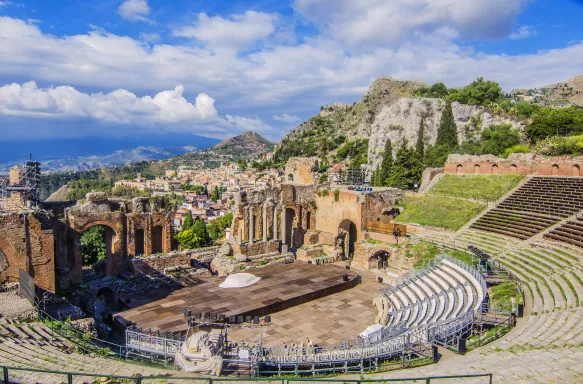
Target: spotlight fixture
(256, 320)
(248, 319)
(232, 319)
(240, 319)
(344, 277)
(198, 315)
(267, 319)
(380, 279)
(221, 317)
(207, 316)
(188, 313)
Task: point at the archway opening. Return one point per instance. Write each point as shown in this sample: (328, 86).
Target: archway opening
(379, 260)
(290, 216)
(97, 244)
(495, 169)
(459, 169)
(308, 220)
(157, 239)
(349, 228)
(555, 170)
(139, 241)
(513, 168)
(477, 169)
(576, 170)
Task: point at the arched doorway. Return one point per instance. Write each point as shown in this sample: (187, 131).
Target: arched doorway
(513, 168)
(495, 169)
(139, 242)
(290, 215)
(97, 244)
(157, 239)
(308, 220)
(349, 228)
(576, 170)
(476, 169)
(555, 170)
(459, 169)
(379, 260)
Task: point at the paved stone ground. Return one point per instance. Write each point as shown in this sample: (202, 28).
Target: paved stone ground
(325, 321)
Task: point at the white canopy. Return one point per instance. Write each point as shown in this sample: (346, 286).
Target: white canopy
(239, 280)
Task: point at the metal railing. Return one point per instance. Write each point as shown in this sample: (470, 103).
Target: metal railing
(69, 376)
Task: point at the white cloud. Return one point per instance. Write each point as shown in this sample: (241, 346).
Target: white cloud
(289, 119)
(134, 10)
(168, 109)
(374, 22)
(524, 32)
(316, 71)
(237, 32)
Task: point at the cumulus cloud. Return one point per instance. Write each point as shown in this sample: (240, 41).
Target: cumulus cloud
(373, 22)
(134, 10)
(318, 70)
(524, 32)
(168, 109)
(237, 32)
(289, 119)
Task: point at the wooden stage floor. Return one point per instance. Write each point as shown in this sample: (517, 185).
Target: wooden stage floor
(280, 287)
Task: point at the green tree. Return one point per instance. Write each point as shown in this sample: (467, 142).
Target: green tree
(188, 239)
(386, 164)
(405, 171)
(436, 155)
(447, 131)
(549, 122)
(496, 138)
(188, 222)
(420, 146)
(199, 229)
(479, 92)
(93, 247)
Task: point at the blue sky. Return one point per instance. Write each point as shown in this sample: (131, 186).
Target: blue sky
(76, 68)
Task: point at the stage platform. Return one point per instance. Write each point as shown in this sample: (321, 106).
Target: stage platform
(280, 287)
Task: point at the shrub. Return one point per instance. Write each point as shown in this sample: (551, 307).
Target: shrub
(336, 195)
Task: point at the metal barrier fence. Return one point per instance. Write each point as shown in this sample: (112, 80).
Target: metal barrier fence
(69, 376)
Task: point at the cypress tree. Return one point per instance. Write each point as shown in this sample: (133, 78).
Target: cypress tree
(386, 164)
(420, 146)
(447, 131)
(187, 224)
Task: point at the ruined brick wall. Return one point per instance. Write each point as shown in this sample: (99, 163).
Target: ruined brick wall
(298, 170)
(27, 241)
(330, 213)
(378, 206)
(515, 164)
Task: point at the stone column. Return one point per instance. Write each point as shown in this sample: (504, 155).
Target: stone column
(274, 222)
(251, 225)
(264, 223)
(283, 224)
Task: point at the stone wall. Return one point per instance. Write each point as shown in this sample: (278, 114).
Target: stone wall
(516, 163)
(298, 170)
(27, 241)
(330, 213)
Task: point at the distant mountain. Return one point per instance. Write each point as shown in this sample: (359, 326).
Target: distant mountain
(54, 149)
(121, 157)
(562, 94)
(248, 143)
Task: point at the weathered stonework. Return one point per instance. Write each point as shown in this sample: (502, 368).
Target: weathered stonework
(46, 242)
(517, 163)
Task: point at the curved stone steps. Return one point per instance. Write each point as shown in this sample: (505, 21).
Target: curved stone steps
(545, 289)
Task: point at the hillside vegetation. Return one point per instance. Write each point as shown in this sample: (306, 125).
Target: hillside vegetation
(476, 187)
(438, 211)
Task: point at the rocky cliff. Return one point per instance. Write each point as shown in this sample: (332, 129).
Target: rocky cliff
(401, 120)
(390, 111)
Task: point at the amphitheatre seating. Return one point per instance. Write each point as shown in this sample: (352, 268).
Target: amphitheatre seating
(439, 294)
(570, 232)
(535, 206)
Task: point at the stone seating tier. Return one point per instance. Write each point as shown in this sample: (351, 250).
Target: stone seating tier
(535, 206)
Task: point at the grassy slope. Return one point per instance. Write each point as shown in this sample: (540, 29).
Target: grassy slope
(486, 188)
(438, 211)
